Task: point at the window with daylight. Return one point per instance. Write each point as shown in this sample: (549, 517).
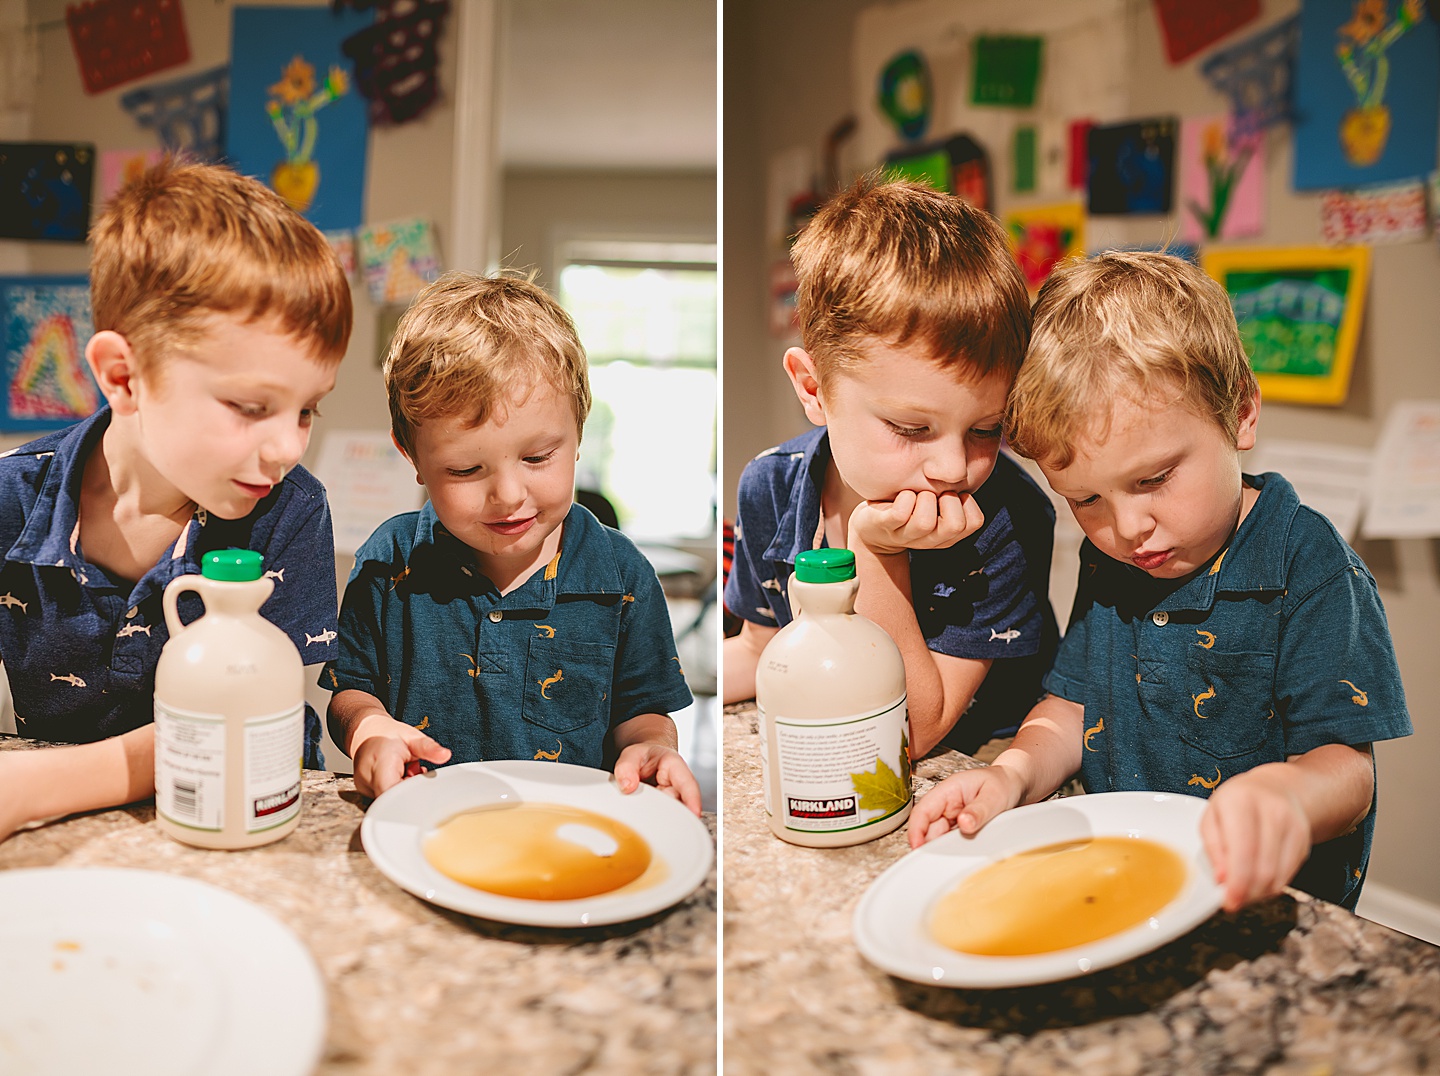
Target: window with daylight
(646, 313)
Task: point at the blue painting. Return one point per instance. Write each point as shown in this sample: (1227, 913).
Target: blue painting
(45, 324)
(1367, 93)
(295, 119)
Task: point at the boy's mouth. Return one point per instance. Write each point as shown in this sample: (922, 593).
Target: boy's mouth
(252, 490)
(511, 526)
(1150, 561)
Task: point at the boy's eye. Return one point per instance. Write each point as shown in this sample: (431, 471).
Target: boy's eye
(249, 410)
(1084, 502)
(456, 473)
(1158, 480)
(308, 415)
(907, 431)
(987, 432)
(544, 458)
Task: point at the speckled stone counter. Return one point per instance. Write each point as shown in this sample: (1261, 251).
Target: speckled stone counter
(1287, 987)
(417, 989)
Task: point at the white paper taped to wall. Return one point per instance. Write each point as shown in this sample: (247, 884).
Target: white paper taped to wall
(367, 481)
(1405, 477)
(1332, 479)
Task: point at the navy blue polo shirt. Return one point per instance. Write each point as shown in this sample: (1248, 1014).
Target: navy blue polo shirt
(1279, 647)
(985, 597)
(544, 672)
(80, 645)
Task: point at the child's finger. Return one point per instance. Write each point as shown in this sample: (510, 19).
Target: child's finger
(988, 800)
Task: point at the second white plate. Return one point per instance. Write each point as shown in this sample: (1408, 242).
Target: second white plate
(399, 821)
(892, 920)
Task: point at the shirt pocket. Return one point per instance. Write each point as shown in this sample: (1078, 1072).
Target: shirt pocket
(567, 685)
(1229, 722)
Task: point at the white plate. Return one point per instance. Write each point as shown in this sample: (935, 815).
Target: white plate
(400, 820)
(891, 922)
(129, 971)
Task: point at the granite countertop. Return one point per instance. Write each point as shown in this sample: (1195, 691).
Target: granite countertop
(1289, 986)
(414, 988)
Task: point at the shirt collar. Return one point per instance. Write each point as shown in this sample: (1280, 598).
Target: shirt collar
(800, 526)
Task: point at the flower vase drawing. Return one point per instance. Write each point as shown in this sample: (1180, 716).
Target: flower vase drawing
(292, 107)
(1361, 52)
(1225, 160)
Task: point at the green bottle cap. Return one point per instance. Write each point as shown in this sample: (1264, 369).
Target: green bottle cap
(233, 565)
(825, 566)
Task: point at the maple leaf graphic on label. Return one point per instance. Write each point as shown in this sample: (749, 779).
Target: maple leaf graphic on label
(882, 790)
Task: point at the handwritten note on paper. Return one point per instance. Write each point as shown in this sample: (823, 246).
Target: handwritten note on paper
(367, 481)
(1332, 479)
(1405, 481)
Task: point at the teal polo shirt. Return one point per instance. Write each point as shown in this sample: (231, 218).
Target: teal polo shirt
(1278, 647)
(544, 672)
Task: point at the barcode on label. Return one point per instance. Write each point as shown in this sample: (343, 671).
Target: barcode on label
(186, 799)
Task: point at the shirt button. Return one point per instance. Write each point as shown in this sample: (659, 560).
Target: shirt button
(1161, 618)
(495, 615)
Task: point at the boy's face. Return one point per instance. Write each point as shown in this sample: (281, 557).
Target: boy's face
(900, 421)
(1163, 489)
(504, 487)
(224, 421)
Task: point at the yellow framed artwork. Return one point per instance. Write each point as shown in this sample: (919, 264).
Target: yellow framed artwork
(1299, 310)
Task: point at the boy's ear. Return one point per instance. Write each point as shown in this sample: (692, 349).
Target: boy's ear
(1249, 420)
(800, 368)
(401, 449)
(112, 362)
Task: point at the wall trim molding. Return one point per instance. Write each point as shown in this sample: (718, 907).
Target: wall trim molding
(1400, 911)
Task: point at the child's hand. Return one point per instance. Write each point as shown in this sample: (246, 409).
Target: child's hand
(915, 521)
(963, 801)
(387, 751)
(1256, 835)
(661, 766)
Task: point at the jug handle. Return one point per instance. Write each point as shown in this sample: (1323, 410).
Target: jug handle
(169, 600)
(793, 596)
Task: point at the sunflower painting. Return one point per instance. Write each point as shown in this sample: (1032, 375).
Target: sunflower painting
(1366, 90)
(295, 118)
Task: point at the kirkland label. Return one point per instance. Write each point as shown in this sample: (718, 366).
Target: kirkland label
(274, 756)
(840, 774)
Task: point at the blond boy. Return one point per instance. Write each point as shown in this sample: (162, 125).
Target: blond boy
(914, 319)
(221, 316)
(501, 618)
(1225, 641)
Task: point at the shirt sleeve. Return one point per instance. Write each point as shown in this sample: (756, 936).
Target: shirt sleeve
(360, 662)
(1337, 678)
(648, 677)
(745, 594)
(302, 563)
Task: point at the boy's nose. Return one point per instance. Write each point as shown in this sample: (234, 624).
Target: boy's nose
(284, 447)
(947, 466)
(506, 491)
(1132, 522)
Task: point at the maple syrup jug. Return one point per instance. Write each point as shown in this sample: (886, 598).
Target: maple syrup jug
(834, 736)
(229, 712)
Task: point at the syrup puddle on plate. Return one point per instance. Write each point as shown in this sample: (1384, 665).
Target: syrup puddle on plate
(1058, 896)
(542, 851)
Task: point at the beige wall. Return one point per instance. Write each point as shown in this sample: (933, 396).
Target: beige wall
(788, 78)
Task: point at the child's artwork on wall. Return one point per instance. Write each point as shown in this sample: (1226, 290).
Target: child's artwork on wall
(1221, 180)
(1043, 236)
(1007, 71)
(120, 167)
(1023, 166)
(398, 259)
(1256, 75)
(1390, 214)
(116, 41)
(1080, 154)
(783, 285)
(45, 190)
(187, 113)
(1132, 167)
(343, 244)
(1188, 27)
(396, 60)
(905, 95)
(1299, 311)
(1367, 93)
(959, 165)
(294, 120)
(1189, 251)
(44, 326)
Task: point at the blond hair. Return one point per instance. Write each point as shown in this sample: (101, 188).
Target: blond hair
(1125, 323)
(470, 344)
(899, 261)
(186, 241)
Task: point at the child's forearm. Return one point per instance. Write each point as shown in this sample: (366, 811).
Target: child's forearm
(56, 781)
(934, 700)
(646, 728)
(1333, 785)
(740, 658)
(347, 712)
(1046, 750)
